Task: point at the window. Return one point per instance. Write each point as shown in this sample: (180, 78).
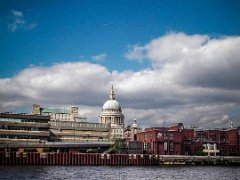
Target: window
(171, 146)
(159, 135)
(165, 136)
(144, 146)
(165, 146)
(151, 135)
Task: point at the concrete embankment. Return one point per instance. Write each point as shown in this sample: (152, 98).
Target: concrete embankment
(16, 158)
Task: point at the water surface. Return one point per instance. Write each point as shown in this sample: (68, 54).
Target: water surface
(116, 172)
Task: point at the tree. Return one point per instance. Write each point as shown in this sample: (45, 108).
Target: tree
(117, 146)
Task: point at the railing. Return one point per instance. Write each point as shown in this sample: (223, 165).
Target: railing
(25, 124)
(79, 125)
(23, 132)
(43, 144)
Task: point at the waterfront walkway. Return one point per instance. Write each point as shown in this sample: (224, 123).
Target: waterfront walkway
(58, 145)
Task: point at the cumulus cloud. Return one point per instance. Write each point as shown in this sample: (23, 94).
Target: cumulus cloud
(17, 21)
(194, 79)
(194, 60)
(99, 57)
(59, 84)
(194, 70)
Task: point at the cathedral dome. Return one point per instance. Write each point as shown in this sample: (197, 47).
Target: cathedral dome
(111, 104)
(135, 125)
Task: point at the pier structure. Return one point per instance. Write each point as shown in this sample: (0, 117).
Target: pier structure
(30, 158)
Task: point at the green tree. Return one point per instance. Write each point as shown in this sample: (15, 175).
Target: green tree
(117, 146)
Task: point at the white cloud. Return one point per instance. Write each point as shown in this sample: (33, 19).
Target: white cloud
(136, 52)
(99, 57)
(194, 80)
(195, 60)
(190, 70)
(17, 21)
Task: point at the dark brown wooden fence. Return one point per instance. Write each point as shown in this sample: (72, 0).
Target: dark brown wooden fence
(68, 158)
(15, 158)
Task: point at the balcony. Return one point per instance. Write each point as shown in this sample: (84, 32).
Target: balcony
(24, 133)
(25, 124)
(79, 126)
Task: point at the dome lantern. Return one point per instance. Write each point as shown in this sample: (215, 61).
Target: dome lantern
(112, 95)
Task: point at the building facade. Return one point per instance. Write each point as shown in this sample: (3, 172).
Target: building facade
(178, 140)
(59, 114)
(50, 125)
(130, 133)
(66, 125)
(162, 141)
(23, 128)
(69, 131)
(226, 140)
(112, 114)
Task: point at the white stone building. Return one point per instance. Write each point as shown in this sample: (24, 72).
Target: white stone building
(131, 131)
(112, 114)
(59, 114)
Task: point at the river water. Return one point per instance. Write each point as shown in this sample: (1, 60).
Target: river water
(116, 172)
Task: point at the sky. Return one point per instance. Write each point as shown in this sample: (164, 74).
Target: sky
(169, 61)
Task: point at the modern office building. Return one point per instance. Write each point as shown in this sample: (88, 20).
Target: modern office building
(70, 131)
(23, 128)
(66, 125)
(50, 125)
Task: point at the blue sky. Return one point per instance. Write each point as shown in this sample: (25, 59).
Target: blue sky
(167, 57)
(77, 30)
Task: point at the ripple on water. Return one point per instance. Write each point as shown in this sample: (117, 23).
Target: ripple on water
(123, 172)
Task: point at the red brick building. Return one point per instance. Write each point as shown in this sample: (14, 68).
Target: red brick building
(178, 140)
(162, 140)
(227, 140)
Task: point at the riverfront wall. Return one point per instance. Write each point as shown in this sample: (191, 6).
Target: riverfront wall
(30, 158)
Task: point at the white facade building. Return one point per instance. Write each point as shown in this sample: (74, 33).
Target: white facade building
(131, 131)
(112, 114)
(135, 129)
(59, 114)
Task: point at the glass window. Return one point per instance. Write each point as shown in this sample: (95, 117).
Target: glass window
(171, 146)
(151, 135)
(145, 146)
(165, 136)
(165, 146)
(159, 135)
